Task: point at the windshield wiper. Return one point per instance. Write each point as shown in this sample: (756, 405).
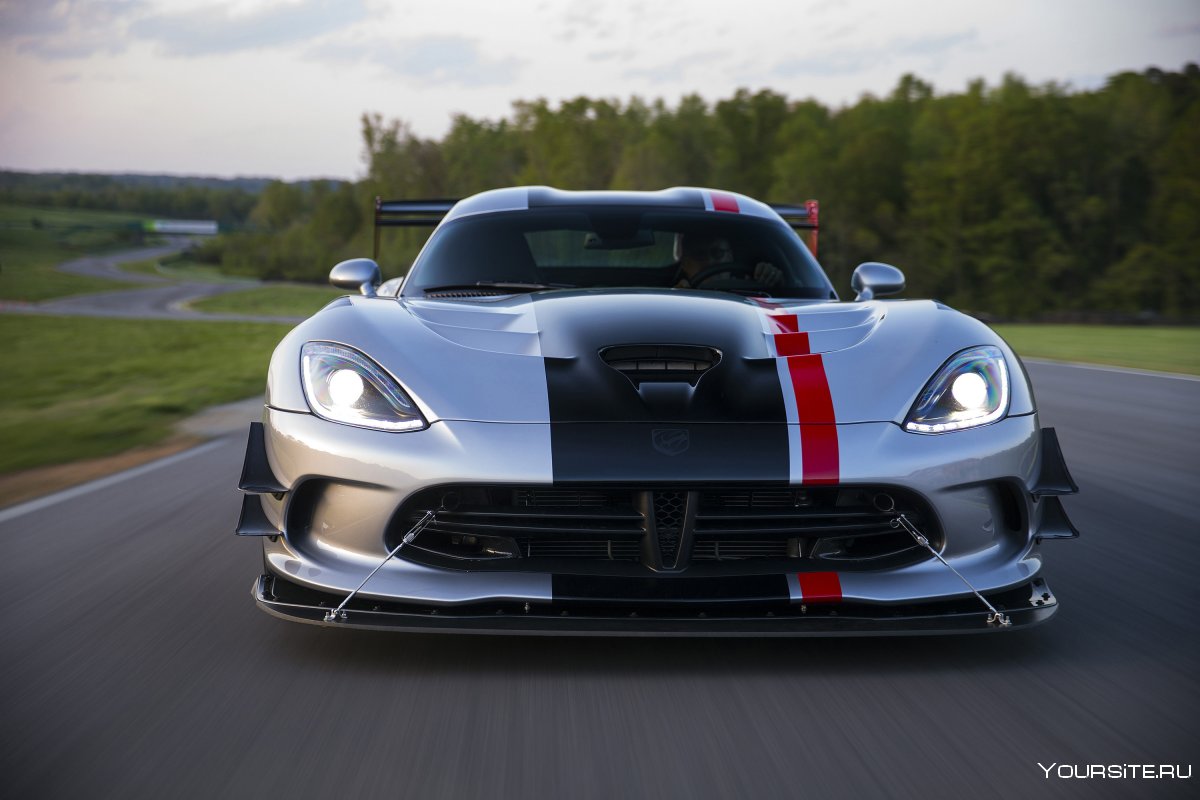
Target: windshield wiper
(745, 292)
(516, 286)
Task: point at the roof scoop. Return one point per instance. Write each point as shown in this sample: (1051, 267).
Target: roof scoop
(661, 363)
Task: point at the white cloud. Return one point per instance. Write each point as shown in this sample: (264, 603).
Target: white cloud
(67, 29)
(427, 61)
(220, 29)
(277, 86)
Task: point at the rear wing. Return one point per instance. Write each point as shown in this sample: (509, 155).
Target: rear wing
(801, 217)
(409, 214)
(428, 213)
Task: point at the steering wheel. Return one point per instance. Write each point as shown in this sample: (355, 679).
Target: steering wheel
(725, 268)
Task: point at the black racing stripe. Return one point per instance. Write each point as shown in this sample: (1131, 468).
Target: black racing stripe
(670, 589)
(603, 423)
(546, 197)
(655, 452)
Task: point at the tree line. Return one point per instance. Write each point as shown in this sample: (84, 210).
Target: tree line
(226, 201)
(1014, 199)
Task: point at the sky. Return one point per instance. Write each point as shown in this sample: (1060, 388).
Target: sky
(277, 87)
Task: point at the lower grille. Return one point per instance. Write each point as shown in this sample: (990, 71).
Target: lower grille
(842, 524)
(592, 549)
(668, 523)
(564, 529)
(739, 549)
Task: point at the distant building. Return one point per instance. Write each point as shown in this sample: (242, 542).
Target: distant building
(194, 227)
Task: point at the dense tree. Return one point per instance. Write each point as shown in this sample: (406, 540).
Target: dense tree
(1016, 200)
(226, 201)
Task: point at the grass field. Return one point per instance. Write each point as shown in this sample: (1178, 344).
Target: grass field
(1154, 348)
(180, 268)
(29, 254)
(147, 266)
(79, 388)
(284, 300)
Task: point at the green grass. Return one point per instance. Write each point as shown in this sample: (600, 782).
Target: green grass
(29, 255)
(181, 268)
(284, 300)
(80, 388)
(66, 216)
(1154, 348)
(147, 266)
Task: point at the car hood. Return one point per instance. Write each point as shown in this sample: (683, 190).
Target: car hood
(607, 355)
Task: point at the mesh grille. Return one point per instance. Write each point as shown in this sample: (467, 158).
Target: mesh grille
(668, 522)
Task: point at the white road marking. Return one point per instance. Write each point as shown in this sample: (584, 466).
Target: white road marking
(30, 506)
(1123, 370)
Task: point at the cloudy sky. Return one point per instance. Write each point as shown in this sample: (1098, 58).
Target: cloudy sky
(277, 87)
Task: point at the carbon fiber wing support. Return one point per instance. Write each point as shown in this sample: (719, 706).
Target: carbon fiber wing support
(802, 217)
(409, 214)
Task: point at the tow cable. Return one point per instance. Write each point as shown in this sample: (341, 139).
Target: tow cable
(995, 617)
(339, 613)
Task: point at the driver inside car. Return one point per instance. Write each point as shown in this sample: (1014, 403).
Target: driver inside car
(701, 259)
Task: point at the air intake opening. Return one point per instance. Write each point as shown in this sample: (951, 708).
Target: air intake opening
(661, 362)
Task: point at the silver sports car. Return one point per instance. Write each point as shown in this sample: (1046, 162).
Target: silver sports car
(645, 413)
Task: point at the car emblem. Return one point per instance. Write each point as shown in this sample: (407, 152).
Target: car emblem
(670, 441)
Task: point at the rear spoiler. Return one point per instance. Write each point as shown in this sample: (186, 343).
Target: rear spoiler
(428, 213)
(800, 217)
(409, 214)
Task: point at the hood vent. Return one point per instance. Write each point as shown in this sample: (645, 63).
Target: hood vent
(661, 363)
(461, 293)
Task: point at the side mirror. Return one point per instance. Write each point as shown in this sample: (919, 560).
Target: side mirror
(356, 274)
(873, 279)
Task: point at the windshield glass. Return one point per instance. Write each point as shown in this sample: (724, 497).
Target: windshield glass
(606, 247)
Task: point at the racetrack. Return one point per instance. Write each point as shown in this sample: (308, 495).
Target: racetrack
(159, 297)
(136, 665)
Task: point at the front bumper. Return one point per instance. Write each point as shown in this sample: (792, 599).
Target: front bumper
(1026, 606)
(323, 534)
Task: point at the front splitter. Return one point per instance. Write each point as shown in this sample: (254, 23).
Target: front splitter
(555, 620)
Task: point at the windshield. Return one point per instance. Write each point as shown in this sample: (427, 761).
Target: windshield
(606, 247)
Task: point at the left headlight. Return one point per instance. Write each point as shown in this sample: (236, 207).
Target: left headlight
(343, 385)
(970, 389)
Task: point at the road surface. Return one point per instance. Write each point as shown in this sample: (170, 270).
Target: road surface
(159, 297)
(135, 664)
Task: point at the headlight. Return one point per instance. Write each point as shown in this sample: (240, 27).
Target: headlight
(343, 385)
(970, 389)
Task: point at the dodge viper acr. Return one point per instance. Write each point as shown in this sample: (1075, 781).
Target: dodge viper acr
(646, 413)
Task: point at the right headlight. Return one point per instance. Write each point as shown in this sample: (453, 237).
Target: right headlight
(343, 385)
(970, 389)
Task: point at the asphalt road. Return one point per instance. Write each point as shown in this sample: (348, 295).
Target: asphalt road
(158, 297)
(134, 663)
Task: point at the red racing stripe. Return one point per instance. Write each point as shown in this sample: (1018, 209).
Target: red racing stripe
(791, 344)
(820, 587)
(724, 202)
(814, 403)
(784, 323)
(818, 425)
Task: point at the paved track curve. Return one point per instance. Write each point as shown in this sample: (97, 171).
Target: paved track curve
(134, 663)
(158, 297)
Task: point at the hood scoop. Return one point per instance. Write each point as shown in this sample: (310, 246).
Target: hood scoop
(661, 363)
